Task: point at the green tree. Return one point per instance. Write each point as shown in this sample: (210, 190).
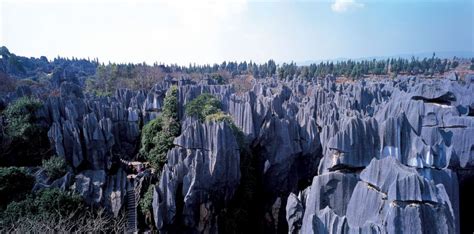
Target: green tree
(158, 134)
(21, 118)
(55, 167)
(29, 140)
(147, 199)
(50, 203)
(15, 184)
(202, 106)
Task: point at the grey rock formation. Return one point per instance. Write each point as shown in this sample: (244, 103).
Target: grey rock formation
(201, 176)
(401, 139)
(294, 213)
(98, 188)
(42, 181)
(331, 157)
(93, 134)
(89, 184)
(329, 191)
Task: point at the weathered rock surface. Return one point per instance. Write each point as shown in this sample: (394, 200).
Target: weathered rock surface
(201, 176)
(332, 157)
(403, 140)
(93, 133)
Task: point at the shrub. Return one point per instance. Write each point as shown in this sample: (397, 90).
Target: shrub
(88, 221)
(26, 136)
(16, 210)
(15, 184)
(222, 117)
(149, 131)
(170, 104)
(202, 106)
(56, 210)
(57, 202)
(55, 167)
(146, 200)
(158, 134)
(21, 118)
(49, 203)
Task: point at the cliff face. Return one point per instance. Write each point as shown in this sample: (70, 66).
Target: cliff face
(95, 134)
(390, 159)
(200, 178)
(367, 156)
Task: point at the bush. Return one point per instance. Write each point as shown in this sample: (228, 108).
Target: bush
(222, 117)
(15, 184)
(149, 131)
(21, 118)
(27, 140)
(158, 134)
(56, 210)
(202, 106)
(170, 104)
(89, 221)
(49, 203)
(57, 202)
(147, 199)
(55, 167)
(153, 143)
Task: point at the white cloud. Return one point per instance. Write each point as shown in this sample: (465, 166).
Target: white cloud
(340, 6)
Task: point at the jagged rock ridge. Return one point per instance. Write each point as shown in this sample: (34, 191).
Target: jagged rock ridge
(363, 156)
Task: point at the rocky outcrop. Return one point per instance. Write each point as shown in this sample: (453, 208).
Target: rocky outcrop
(280, 126)
(328, 129)
(200, 177)
(401, 142)
(93, 133)
(98, 188)
(386, 195)
(330, 156)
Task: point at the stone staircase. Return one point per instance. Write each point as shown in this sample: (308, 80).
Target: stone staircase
(131, 211)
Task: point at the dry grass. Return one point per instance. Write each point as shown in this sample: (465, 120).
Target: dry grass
(90, 221)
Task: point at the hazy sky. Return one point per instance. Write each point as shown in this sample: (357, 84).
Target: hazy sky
(184, 31)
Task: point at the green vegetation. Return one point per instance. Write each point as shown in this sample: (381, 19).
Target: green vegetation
(206, 107)
(241, 215)
(49, 202)
(218, 78)
(15, 184)
(222, 117)
(357, 69)
(47, 210)
(56, 210)
(158, 135)
(147, 199)
(21, 118)
(202, 106)
(25, 141)
(55, 167)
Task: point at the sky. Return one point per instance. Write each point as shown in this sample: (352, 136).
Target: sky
(210, 31)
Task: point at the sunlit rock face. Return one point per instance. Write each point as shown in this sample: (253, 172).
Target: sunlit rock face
(379, 156)
(94, 133)
(200, 178)
(402, 150)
